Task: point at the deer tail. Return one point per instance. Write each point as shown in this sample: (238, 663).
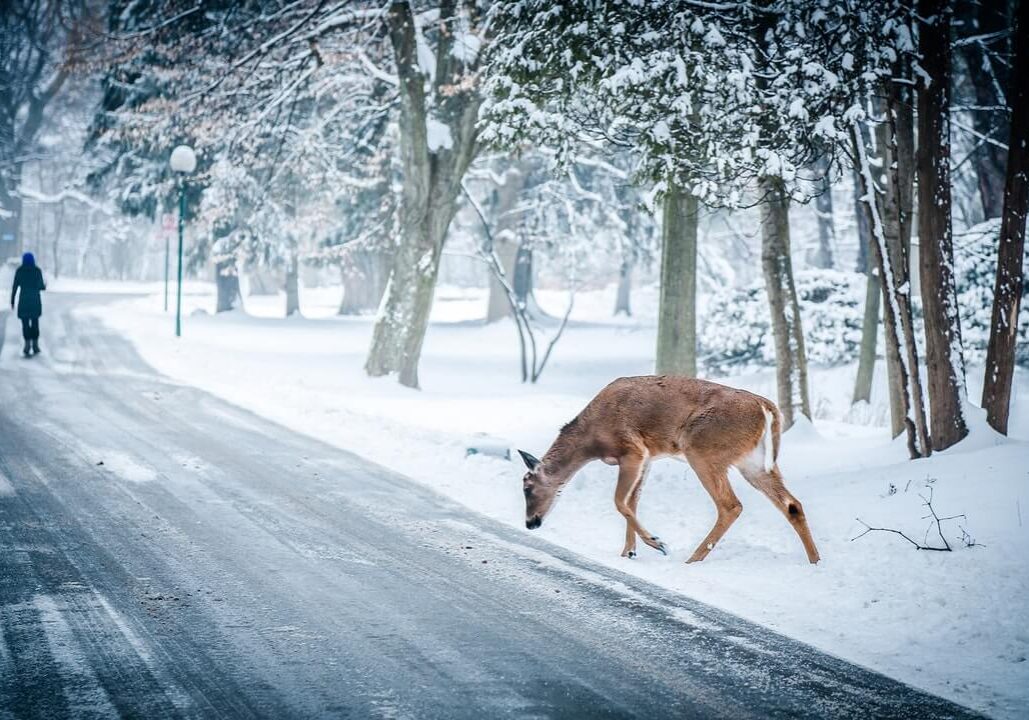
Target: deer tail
(771, 437)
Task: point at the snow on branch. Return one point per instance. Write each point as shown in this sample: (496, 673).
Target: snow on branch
(65, 194)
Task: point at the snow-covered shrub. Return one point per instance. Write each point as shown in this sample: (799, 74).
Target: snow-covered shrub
(975, 265)
(737, 330)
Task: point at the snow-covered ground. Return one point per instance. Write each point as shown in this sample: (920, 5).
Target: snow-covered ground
(952, 623)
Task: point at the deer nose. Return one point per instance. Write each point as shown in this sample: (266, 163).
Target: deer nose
(534, 522)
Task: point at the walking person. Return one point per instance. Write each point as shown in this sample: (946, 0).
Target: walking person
(29, 278)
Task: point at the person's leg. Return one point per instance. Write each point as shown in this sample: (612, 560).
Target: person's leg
(26, 334)
(35, 335)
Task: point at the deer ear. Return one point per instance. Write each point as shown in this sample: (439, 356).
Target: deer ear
(530, 461)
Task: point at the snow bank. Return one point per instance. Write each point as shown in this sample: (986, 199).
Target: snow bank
(951, 623)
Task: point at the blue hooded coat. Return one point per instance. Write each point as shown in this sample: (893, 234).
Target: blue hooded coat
(30, 279)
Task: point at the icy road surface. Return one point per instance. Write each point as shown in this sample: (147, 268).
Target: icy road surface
(165, 554)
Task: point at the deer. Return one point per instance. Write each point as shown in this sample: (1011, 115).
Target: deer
(636, 420)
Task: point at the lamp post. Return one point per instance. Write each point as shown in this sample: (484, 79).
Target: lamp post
(183, 161)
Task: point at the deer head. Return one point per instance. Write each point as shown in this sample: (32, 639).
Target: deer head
(539, 491)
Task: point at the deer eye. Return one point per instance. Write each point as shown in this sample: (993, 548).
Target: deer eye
(527, 490)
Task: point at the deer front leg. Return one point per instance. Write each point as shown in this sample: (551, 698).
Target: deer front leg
(631, 472)
(771, 484)
(629, 550)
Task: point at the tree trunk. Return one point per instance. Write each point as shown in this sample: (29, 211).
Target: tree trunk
(293, 283)
(227, 282)
(506, 240)
(522, 280)
(364, 281)
(499, 306)
(787, 329)
(988, 80)
(891, 260)
(944, 363)
(624, 288)
(896, 143)
(821, 256)
(1007, 294)
(864, 262)
(869, 338)
(431, 184)
(677, 308)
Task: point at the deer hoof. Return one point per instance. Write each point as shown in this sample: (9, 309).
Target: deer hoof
(659, 546)
(631, 554)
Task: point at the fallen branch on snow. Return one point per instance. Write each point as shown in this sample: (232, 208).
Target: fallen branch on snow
(936, 521)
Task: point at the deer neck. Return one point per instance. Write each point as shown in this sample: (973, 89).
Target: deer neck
(564, 458)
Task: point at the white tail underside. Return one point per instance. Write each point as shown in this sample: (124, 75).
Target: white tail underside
(767, 440)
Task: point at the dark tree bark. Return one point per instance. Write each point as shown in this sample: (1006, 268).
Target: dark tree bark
(944, 363)
(988, 80)
(1007, 294)
(787, 329)
(677, 306)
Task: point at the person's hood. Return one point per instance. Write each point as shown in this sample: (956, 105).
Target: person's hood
(28, 260)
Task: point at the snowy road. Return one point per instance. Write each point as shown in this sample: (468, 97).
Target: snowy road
(163, 554)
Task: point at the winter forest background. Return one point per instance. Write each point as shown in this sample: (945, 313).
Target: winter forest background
(726, 152)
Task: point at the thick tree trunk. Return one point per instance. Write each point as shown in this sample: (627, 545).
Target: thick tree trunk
(1007, 294)
(432, 182)
(677, 306)
(787, 329)
(944, 363)
(227, 282)
(624, 293)
(404, 317)
(292, 283)
(891, 260)
(988, 80)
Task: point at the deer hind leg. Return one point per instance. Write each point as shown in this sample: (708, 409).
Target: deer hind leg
(631, 473)
(715, 479)
(770, 483)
